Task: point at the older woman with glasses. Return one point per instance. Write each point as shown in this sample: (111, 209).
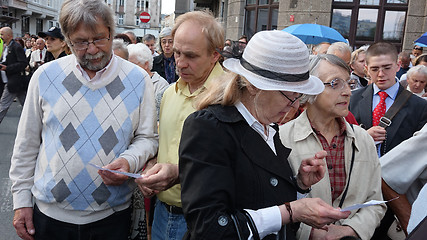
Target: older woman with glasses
(353, 171)
(235, 177)
(164, 64)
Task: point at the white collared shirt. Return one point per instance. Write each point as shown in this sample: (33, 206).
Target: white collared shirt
(257, 126)
(391, 92)
(3, 59)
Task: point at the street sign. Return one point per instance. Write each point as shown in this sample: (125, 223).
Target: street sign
(144, 17)
(144, 25)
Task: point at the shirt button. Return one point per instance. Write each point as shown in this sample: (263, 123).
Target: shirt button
(274, 181)
(330, 167)
(222, 220)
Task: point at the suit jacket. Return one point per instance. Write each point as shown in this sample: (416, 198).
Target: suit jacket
(411, 117)
(224, 167)
(16, 61)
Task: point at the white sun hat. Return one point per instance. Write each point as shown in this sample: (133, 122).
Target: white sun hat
(276, 60)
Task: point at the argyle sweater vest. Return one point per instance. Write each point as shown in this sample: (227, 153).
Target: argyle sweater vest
(84, 124)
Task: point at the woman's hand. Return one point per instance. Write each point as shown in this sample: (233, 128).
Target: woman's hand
(311, 170)
(313, 212)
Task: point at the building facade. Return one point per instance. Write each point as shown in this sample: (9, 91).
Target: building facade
(127, 14)
(29, 16)
(360, 21)
(33, 16)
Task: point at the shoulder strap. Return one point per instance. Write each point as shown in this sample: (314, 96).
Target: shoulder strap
(349, 174)
(401, 99)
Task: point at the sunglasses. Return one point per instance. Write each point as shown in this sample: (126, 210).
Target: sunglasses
(418, 48)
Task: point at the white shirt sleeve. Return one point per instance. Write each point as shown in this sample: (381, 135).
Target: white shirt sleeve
(267, 221)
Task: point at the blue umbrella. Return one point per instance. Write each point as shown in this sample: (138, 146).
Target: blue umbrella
(422, 39)
(315, 33)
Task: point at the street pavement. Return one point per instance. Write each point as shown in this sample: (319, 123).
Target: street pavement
(7, 139)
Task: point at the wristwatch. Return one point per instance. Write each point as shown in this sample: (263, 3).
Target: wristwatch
(300, 190)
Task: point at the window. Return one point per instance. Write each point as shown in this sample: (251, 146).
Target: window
(137, 21)
(39, 25)
(120, 19)
(51, 24)
(121, 2)
(260, 15)
(368, 21)
(25, 24)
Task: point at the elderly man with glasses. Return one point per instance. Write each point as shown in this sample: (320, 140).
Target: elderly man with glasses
(86, 109)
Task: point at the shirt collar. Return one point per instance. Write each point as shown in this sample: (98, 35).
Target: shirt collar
(391, 91)
(341, 124)
(99, 73)
(255, 124)
(182, 86)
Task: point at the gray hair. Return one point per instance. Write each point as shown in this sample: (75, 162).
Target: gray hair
(132, 34)
(89, 12)
(417, 69)
(148, 37)
(119, 44)
(341, 47)
(142, 53)
(314, 70)
(167, 31)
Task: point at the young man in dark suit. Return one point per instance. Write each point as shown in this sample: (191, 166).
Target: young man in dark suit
(13, 63)
(366, 104)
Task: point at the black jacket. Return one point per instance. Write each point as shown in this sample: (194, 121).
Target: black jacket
(407, 121)
(16, 61)
(225, 166)
(159, 67)
(49, 56)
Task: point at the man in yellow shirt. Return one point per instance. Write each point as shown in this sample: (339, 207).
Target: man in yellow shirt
(197, 36)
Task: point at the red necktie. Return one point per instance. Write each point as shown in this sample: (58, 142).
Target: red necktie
(379, 110)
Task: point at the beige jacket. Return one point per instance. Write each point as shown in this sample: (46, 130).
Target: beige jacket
(365, 183)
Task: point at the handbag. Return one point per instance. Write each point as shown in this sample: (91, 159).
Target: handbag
(251, 224)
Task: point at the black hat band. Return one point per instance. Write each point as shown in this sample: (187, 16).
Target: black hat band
(274, 75)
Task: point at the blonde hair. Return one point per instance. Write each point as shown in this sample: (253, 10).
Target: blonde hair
(226, 90)
(355, 55)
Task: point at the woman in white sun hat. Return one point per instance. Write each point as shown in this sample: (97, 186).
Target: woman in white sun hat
(235, 178)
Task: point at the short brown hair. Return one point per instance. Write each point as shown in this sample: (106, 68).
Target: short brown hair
(381, 48)
(211, 28)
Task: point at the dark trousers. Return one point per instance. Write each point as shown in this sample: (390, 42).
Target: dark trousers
(114, 227)
(381, 231)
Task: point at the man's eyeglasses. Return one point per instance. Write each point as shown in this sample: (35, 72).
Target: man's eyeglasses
(295, 99)
(338, 83)
(85, 45)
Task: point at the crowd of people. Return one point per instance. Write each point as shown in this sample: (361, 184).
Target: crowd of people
(259, 138)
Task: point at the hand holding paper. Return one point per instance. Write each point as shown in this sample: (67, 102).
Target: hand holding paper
(133, 175)
(366, 204)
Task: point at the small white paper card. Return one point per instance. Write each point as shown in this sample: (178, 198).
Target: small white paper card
(366, 204)
(133, 175)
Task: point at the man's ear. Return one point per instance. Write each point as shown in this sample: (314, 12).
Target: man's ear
(216, 56)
